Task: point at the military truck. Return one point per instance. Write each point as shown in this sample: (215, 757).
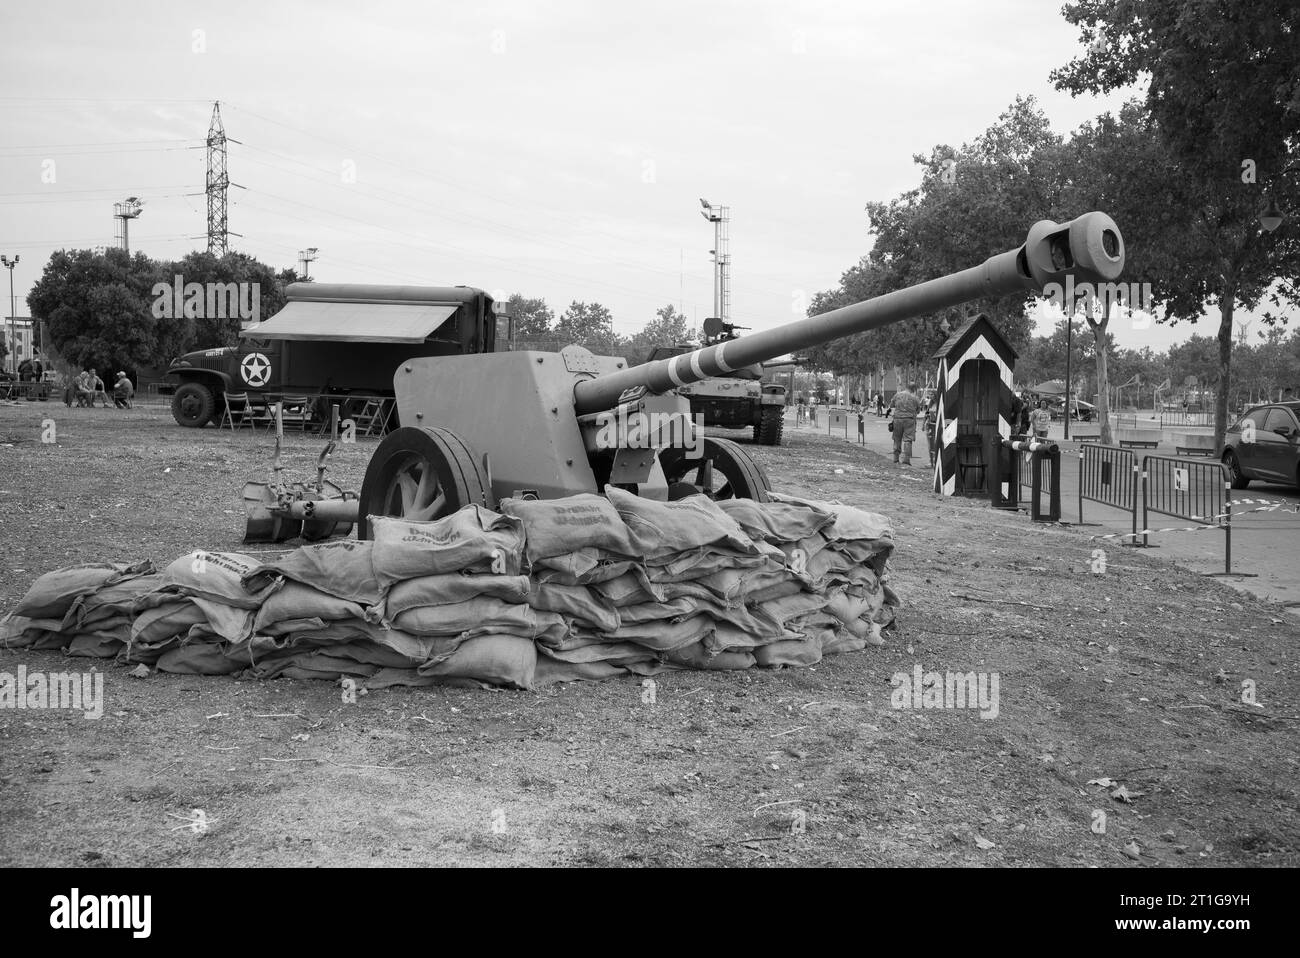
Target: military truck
(336, 342)
(739, 400)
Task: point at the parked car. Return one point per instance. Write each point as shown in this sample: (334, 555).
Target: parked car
(1264, 444)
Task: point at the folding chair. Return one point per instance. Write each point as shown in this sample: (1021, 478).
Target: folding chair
(238, 405)
(293, 409)
(374, 416)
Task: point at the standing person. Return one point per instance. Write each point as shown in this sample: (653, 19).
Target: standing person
(880, 403)
(122, 392)
(25, 371)
(1040, 419)
(906, 409)
(1288, 395)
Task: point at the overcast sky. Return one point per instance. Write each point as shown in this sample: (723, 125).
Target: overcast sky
(555, 149)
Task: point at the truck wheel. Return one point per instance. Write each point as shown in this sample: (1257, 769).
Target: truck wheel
(421, 473)
(770, 424)
(193, 405)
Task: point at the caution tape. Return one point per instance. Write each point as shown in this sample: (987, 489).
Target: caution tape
(1214, 524)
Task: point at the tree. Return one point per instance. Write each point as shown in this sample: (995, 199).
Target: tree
(96, 310)
(668, 328)
(590, 325)
(532, 320)
(1223, 100)
(100, 308)
(972, 203)
(204, 268)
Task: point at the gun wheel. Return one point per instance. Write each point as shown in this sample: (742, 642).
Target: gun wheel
(723, 471)
(421, 474)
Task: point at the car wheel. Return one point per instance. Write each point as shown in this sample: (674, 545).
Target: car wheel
(1234, 470)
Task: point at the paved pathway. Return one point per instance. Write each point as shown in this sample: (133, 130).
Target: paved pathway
(1266, 544)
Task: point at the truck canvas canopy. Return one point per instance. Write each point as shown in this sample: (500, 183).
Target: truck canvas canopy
(354, 322)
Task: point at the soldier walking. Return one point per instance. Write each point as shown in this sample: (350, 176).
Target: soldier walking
(906, 408)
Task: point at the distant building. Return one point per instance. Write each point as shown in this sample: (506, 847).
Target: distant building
(20, 338)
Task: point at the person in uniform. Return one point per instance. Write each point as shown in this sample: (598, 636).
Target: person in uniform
(906, 408)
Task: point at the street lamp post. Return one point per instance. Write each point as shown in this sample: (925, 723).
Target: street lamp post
(13, 339)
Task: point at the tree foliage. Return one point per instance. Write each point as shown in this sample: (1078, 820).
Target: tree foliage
(98, 306)
(1223, 103)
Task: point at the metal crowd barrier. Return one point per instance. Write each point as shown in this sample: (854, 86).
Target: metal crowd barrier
(1191, 489)
(1108, 475)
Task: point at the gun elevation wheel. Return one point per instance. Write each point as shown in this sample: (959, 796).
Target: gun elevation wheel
(422, 473)
(724, 471)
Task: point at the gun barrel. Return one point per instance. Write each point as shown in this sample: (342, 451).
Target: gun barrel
(1089, 248)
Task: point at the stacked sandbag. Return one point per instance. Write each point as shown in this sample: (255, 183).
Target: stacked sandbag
(85, 610)
(578, 588)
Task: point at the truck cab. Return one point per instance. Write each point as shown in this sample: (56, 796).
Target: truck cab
(335, 341)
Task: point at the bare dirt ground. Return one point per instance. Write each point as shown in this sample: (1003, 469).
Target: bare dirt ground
(1134, 675)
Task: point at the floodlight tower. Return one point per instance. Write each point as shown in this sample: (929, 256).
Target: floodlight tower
(13, 335)
(720, 217)
(306, 256)
(217, 183)
(124, 212)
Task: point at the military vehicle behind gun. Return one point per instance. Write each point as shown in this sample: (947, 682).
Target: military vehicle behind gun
(336, 342)
(740, 400)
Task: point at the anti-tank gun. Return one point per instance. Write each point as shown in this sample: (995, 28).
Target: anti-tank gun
(545, 425)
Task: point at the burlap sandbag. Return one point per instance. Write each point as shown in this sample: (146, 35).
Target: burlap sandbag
(166, 621)
(696, 656)
(585, 568)
(218, 576)
(198, 658)
(342, 568)
(509, 660)
(777, 522)
(97, 645)
(697, 563)
(558, 527)
(665, 635)
(451, 588)
(798, 652)
(52, 594)
(550, 671)
(473, 538)
(583, 604)
(298, 601)
(109, 601)
(479, 612)
(631, 587)
(20, 631)
(661, 528)
(615, 653)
